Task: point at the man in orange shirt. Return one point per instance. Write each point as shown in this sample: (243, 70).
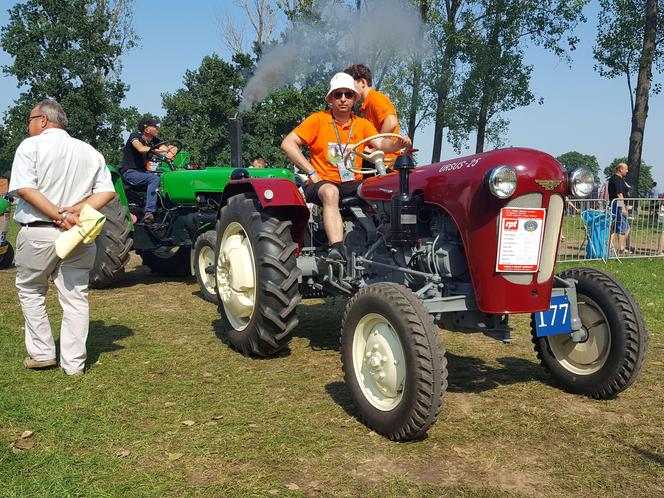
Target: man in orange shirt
(329, 135)
(376, 106)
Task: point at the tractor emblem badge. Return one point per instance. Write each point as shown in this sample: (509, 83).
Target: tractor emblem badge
(548, 184)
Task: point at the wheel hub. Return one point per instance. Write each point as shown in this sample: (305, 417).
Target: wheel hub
(206, 264)
(379, 362)
(235, 276)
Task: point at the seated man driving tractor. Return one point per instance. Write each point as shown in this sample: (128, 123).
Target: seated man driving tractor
(140, 148)
(330, 136)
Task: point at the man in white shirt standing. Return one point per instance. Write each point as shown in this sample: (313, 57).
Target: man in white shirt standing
(54, 175)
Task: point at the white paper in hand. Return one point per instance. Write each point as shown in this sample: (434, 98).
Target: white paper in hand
(92, 222)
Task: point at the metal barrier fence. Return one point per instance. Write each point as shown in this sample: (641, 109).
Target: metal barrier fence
(594, 229)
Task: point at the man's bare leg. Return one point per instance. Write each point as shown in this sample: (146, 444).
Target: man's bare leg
(334, 227)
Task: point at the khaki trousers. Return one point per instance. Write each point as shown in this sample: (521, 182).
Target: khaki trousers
(36, 262)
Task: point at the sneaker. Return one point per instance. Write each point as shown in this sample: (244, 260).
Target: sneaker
(36, 365)
(335, 255)
(148, 219)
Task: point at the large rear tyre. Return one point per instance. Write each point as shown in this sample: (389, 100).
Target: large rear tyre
(168, 261)
(393, 361)
(256, 277)
(7, 258)
(113, 246)
(610, 359)
(204, 259)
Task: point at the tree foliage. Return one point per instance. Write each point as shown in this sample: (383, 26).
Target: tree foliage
(70, 51)
(198, 113)
(573, 159)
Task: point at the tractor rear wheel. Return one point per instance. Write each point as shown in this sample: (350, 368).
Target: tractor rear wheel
(204, 264)
(168, 261)
(7, 258)
(113, 246)
(256, 277)
(612, 355)
(393, 361)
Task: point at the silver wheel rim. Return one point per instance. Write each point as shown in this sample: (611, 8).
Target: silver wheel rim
(379, 362)
(205, 260)
(589, 356)
(236, 276)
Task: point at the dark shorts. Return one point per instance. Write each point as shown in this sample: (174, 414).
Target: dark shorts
(348, 189)
(620, 225)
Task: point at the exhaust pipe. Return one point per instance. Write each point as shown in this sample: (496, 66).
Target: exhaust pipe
(235, 133)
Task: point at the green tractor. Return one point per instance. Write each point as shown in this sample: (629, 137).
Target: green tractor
(6, 249)
(181, 241)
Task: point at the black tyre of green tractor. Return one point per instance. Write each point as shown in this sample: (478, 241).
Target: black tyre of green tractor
(168, 261)
(393, 361)
(610, 359)
(256, 277)
(204, 259)
(7, 258)
(113, 246)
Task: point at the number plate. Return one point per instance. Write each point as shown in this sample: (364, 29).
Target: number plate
(556, 320)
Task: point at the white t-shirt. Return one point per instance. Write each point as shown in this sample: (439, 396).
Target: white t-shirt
(64, 169)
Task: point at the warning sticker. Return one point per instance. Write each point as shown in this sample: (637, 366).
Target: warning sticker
(520, 239)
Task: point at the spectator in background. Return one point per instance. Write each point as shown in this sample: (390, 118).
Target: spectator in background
(259, 162)
(618, 191)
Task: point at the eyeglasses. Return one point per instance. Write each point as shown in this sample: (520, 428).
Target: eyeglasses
(349, 95)
(30, 118)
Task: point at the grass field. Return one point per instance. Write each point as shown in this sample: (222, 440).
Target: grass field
(168, 409)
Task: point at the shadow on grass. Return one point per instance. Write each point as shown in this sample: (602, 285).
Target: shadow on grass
(141, 275)
(102, 339)
(469, 374)
(466, 374)
(649, 455)
(320, 323)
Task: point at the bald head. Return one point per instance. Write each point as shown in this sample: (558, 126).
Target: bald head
(622, 169)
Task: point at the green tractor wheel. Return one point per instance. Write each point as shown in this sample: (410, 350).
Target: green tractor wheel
(113, 246)
(168, 261)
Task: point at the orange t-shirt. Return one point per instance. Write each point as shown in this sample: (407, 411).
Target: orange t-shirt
(317, 131)
(376, 108)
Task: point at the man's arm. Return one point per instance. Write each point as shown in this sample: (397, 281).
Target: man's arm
(389, 124)
(390, 145)
(291, 147)
(37, 200)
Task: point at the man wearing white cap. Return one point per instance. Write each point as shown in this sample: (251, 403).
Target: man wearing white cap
(329, 135)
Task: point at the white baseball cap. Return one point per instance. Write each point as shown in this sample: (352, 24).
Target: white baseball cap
(342, 81)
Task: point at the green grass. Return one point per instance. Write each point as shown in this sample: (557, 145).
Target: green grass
(286, 426)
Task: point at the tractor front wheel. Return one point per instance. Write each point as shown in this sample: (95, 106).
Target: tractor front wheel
(256, 277)
(393, 361)
(611, 356)
(204, 264)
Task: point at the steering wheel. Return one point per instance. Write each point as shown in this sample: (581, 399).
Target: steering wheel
(377, 157)
(168, 144)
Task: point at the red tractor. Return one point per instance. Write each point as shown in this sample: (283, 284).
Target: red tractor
(459, 245)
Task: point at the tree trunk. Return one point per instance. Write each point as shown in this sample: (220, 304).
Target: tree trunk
(417, 77)
(490, 81)
(444, 84)
(640, 112)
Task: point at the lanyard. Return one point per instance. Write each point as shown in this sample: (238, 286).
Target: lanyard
(342, 149)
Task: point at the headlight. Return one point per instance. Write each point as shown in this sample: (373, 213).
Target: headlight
(502, 181)
(581, 182)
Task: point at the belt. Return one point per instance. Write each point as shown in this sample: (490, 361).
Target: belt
(39, 224)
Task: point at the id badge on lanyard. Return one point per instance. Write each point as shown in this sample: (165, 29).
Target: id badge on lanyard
(339, 156)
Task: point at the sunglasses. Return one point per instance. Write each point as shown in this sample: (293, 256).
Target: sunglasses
(349, 95)
(30, 118)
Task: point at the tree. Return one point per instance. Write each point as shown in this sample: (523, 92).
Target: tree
(645, 178)
(573, 159)
(70, 51)
(198, 113)
(261, 15)
(498, 77)
(627, 44)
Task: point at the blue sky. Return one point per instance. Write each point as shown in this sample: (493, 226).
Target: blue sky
(582, 111)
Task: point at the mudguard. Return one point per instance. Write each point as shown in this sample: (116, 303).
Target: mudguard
(279, 196)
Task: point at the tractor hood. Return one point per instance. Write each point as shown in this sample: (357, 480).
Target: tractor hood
(459, 187)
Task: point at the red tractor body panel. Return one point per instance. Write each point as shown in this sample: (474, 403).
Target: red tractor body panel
(458, 187)
(281, 196)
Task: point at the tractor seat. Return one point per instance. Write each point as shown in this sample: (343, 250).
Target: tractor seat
(352, 201)
(132, 187)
